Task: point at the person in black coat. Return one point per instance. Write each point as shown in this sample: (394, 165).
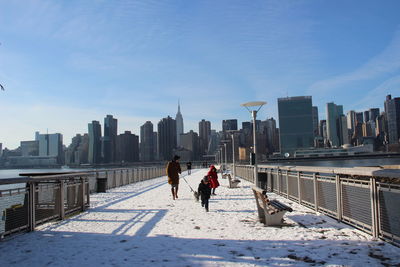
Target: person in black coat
(189, 167)
(205, 192)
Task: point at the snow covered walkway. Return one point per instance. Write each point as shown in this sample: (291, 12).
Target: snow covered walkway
(140, 225)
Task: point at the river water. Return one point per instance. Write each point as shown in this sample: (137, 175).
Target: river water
(339, 162)
(13, 173)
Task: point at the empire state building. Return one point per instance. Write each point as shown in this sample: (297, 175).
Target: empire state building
(179, 125)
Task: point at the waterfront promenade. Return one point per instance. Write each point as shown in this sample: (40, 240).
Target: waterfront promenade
(140, 225)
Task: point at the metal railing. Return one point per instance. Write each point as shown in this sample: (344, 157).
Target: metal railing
(365, 197)
(26, 202)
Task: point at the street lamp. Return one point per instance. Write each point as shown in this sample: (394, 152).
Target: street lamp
(225, 142)
(252, 108)
(232, 133)
(220, 155)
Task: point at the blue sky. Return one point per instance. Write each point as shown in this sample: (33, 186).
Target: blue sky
(65, 63)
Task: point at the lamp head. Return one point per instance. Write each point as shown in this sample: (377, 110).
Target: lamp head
(254, 104)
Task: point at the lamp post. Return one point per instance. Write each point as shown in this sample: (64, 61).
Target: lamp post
(252, 108)
(220, 155)
(232, 133)
(226, 158)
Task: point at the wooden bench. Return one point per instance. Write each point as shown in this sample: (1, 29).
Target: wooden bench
(233, 183)
(270, 212)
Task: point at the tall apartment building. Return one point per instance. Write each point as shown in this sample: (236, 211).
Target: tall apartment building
(190, 142)
(179, 125)
(295, 123)
(351, 120)
(366, 116)
(228, 125)
(315, 120)
(204, 136)
(343, 131)
(109, 140)
(29, 148)
(71, 149)
(82, 151)
(392, 111)
(359, 118)
(51, 145)
(337, 134)
(127, 147)
(373, 114)
(166, 138)
(94, 156)
(77, 151)
(270, 131)
(147, 142)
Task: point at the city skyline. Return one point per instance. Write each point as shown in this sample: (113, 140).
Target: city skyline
(214, 126)
(65, 64)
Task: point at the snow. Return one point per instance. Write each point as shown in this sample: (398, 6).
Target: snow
(140, 225)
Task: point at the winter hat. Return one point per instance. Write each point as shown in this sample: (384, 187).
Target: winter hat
(205, 179)
(176, 157)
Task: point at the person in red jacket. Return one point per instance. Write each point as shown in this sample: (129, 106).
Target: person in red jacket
(213, 178)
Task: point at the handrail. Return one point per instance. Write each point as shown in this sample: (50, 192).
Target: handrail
(361, 171)
(42, 197)
(364, 197)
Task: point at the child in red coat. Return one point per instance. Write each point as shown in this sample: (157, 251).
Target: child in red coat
(213, 178)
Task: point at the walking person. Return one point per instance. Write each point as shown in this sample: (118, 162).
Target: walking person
(205, 192)
(189, 167)
(173, 171)
(213, 177)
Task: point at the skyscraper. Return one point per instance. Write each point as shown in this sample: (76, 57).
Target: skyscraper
(315, 120)
(127, 147)
(110, 139)
(228, 125)
(204, 135)
(272, 135)
(190, 141)
(166, 138)
(359, 118)
(179, 125)
(147, 142)
(51, 145)
(373, 114)
(295, 123)
(366, 116)
(94, 156)
(343, 132)
(392, 110)
(334, 123)
(351, 120)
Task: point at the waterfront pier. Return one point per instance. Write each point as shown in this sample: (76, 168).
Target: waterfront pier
(138, 223)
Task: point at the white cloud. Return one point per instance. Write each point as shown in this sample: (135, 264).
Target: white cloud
(375, 97)
(388, 61)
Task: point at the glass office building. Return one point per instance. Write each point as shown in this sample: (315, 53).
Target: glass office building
(295, 123)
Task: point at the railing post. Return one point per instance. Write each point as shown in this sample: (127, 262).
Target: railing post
(374, 207)
(315, 191)
(61, 200)
(287, 184)
(299, 186)
(114, 179)
(32, 204)
(278, 179)
(88, 193)
(82, 193)
(339, 198)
